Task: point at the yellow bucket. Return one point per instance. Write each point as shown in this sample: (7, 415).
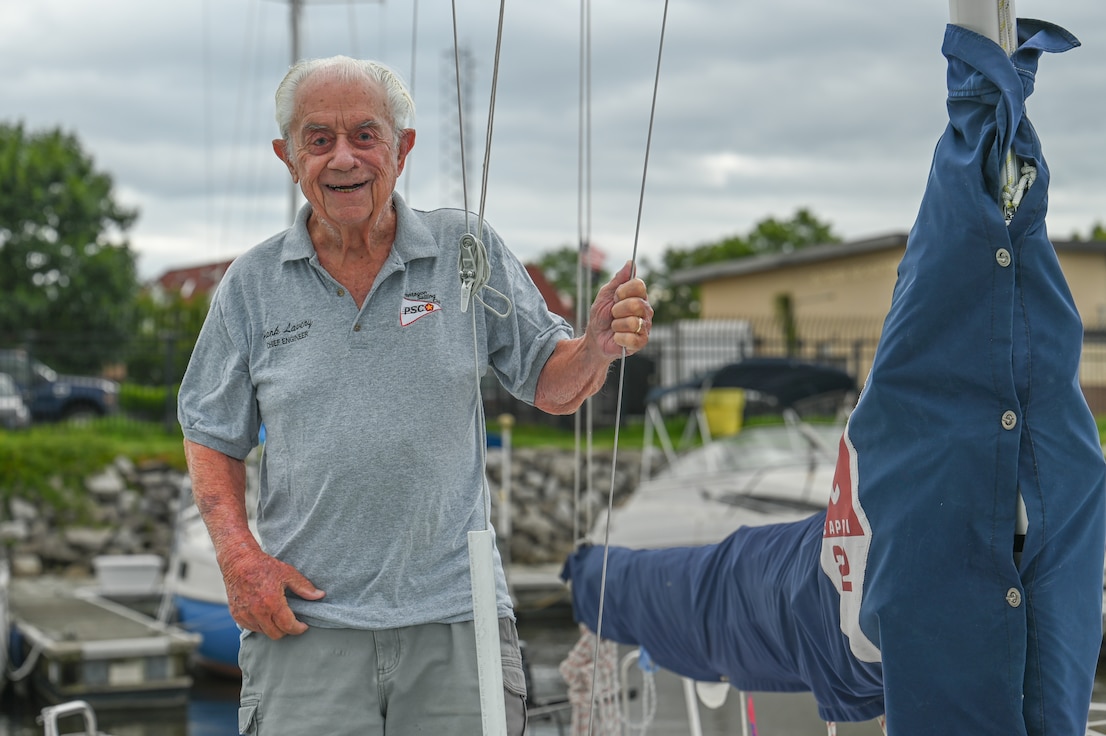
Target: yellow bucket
(724, 409)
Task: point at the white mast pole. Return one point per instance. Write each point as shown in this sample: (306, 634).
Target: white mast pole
(996, 20)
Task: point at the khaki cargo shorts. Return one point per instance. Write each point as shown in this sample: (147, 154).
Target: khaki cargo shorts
(343, 682)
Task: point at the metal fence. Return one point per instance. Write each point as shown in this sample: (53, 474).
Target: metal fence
(150, 362)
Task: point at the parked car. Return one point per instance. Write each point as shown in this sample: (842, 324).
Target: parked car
(14, 414)
(51, 397)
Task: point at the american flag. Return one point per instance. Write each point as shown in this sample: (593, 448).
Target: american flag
(592, 257)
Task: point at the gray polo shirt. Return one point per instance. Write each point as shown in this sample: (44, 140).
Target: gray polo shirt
(372, 473)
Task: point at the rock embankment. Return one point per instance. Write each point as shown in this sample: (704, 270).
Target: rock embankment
(132, 510)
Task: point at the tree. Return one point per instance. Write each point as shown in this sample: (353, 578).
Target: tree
(1098, 232)
(65, 267)
(681, 301)
(561, 267)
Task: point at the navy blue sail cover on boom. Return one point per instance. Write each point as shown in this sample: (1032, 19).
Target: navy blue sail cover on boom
(972, 398)
(907, 593)
(754, 610)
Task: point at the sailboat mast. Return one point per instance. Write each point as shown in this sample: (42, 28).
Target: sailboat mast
(994, 19)
(295, 13)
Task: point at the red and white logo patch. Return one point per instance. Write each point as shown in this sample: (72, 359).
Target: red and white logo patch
(415, 309)
(845, 541)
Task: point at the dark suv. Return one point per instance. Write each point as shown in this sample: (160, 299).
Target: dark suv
(51, 397)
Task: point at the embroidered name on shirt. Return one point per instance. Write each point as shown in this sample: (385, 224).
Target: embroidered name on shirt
(415, 309)
(289, 333)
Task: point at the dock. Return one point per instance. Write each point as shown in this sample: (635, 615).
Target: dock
(538, 588)
(79, 645)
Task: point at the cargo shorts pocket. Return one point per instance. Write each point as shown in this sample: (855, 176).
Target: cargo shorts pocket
(514, 679)
(247, 716)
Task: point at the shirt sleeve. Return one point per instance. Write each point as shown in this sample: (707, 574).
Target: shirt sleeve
(520, 343)
(217, 404)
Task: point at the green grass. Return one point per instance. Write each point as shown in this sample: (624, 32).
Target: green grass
(50, 461)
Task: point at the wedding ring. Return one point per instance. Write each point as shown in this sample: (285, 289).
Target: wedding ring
(640, 324)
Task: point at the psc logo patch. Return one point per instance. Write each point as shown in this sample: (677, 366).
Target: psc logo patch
(412, 310)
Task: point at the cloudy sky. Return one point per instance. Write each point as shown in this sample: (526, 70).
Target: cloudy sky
(762, 108)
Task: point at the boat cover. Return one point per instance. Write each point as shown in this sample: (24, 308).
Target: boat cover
(754, 609)
(974, 396)
(786, 381)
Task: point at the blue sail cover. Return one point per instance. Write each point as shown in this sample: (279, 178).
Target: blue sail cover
(754, 609)
(906, 595)
(974, 396)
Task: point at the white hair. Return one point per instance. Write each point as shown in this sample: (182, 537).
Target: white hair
(400, 106)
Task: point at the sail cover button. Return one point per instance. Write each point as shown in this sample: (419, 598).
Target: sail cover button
(1009, 420)
(1003, 257)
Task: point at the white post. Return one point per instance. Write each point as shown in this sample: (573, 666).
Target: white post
(694, 725)
(506, 423)
(489, 662)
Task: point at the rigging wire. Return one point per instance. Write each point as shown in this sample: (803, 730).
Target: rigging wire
(352, 29)
(414, 57)
(475, 242)
(241, 172)
(585, 71)
(491, 118)
(583, 214)
(474, 271)
(622, 363)
(460, 119)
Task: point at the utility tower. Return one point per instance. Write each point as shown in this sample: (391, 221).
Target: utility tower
(452, 179)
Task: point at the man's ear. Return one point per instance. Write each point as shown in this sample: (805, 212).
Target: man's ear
(280, 148)
(406, 143)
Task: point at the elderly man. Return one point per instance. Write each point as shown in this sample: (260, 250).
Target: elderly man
(345, 335)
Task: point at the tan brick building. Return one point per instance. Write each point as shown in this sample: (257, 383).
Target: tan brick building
(838, 295)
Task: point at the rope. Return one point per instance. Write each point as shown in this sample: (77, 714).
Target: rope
(28, 666)
(1015, 184)
(590, 671)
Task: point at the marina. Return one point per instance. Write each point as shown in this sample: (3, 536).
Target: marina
(212, 706)
(75, 644)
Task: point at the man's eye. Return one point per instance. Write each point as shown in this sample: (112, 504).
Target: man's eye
(319, 141)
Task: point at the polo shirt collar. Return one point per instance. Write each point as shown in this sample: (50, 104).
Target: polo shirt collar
(413, 239)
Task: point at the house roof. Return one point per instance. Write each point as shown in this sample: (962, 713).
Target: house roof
(201, 280)
(193, 280)
(830, 252)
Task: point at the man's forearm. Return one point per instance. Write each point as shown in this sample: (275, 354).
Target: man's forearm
(576, 370)
(219, 489)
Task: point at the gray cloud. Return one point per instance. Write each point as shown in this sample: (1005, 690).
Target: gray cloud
(762, 108)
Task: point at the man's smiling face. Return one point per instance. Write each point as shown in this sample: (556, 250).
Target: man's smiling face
(342, 149)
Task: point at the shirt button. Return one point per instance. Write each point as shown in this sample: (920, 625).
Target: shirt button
(357, 327)
(1009, 420)
(1014, 597)
(1003, 257)
(341, 292)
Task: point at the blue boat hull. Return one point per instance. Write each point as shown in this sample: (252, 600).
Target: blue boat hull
(221, 636)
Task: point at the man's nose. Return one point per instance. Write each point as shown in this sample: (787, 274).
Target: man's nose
(344, 157)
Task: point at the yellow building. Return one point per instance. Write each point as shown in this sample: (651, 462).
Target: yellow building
(828, 302)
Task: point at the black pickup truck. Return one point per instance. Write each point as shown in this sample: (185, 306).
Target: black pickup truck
(53, 397)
